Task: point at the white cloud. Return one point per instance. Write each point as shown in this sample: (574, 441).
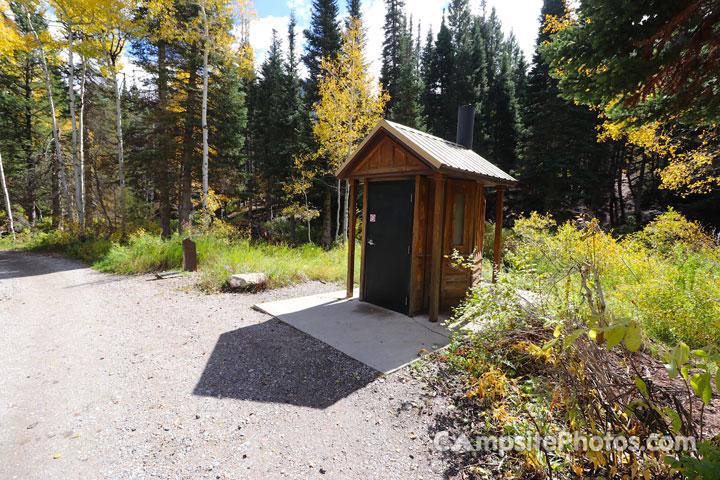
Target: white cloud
(261, 34)
(302, 9)
(519, 16)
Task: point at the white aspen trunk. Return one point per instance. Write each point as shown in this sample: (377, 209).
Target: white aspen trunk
(81, 144)
(307, 214)
(347, 184)
(339, 210)
(73, 123)
(205, 182)
(8, 209)
(346, 220)
(55, 131)
(119, 133)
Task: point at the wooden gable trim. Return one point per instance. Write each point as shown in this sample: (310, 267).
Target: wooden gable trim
(384, 156)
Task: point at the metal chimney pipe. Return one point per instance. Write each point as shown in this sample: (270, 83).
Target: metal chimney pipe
(465, 125)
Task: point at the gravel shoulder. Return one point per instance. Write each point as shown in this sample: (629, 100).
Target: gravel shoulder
(126, 377)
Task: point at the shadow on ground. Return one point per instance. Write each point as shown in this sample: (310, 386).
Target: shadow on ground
(274, 362)
(15, 264)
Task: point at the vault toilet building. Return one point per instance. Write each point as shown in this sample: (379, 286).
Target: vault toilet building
(423, 197)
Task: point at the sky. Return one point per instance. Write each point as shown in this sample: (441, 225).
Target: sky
(519, 16)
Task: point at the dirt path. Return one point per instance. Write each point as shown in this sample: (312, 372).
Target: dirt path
(125, 377)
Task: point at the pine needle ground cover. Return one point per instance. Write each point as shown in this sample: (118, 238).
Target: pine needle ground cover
(588, 334)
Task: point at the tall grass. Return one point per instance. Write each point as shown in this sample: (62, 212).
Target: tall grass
(666, 276)
(218, 257)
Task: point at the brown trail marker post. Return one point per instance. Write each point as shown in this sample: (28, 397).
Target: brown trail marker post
(190, 260)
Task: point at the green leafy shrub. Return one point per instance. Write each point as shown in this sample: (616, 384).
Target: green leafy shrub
(667, 276)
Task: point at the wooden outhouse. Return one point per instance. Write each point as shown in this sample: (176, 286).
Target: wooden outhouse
(423, 197)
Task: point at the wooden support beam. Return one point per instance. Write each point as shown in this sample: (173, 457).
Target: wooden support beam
(351, 239)
(418, 240)
(499, 200)
(436, 256)
(479, 236)
(362, 247)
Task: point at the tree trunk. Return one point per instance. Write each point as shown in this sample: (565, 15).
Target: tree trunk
(293, 227)
(639, 186)
(307, 214)
(346, 207)
(87, 180)
(58, 167)
(77, 174)
(8, 209)
(327, 217)
(163, 180)
(120, 152)
(205, 182)
(621, 198)
(99, 194)
(81, 144)
(188, 150)
(27, 145)
(339, 210)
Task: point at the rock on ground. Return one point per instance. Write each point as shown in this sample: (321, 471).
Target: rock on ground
(246, 280)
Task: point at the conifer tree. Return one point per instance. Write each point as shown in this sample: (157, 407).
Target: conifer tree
(322, 41)
(399, 74)
(505, 114)
(394, 29)
(406, 108)
(561, 141)
(437, 105)
(460, 20)
(271, 133)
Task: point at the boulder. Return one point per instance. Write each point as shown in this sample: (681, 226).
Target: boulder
(246, 280)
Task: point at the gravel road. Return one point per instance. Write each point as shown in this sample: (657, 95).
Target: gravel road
(108, 376)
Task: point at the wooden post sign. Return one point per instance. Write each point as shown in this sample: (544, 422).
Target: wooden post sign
(190, 260)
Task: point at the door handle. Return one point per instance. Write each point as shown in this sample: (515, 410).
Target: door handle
(371, 242)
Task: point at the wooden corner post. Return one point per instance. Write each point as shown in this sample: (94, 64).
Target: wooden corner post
(499, 201)
(436, 256)
(479, 236)
(362, 245)
(351, 239)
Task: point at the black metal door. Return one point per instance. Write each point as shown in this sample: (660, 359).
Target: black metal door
(389, 238)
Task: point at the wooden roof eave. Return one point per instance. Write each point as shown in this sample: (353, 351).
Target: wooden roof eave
(486, 180)
(383, 126)
(420, 153)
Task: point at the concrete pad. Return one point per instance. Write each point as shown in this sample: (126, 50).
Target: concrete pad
(380, 338)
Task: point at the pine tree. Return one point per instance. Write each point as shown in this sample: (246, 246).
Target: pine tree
(406, 109)
(437, 96)
(322, 41)
(394, 29)
(505, 125)
(270, 123)
(480, 84)
(353, 10)
(460, 20)
(561, 147)
(399, 74)
(350, 105)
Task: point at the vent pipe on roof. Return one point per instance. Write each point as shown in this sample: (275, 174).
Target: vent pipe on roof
(465, 125)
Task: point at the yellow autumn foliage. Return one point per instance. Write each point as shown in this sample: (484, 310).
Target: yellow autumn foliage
(692, 165)
(349, 105)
